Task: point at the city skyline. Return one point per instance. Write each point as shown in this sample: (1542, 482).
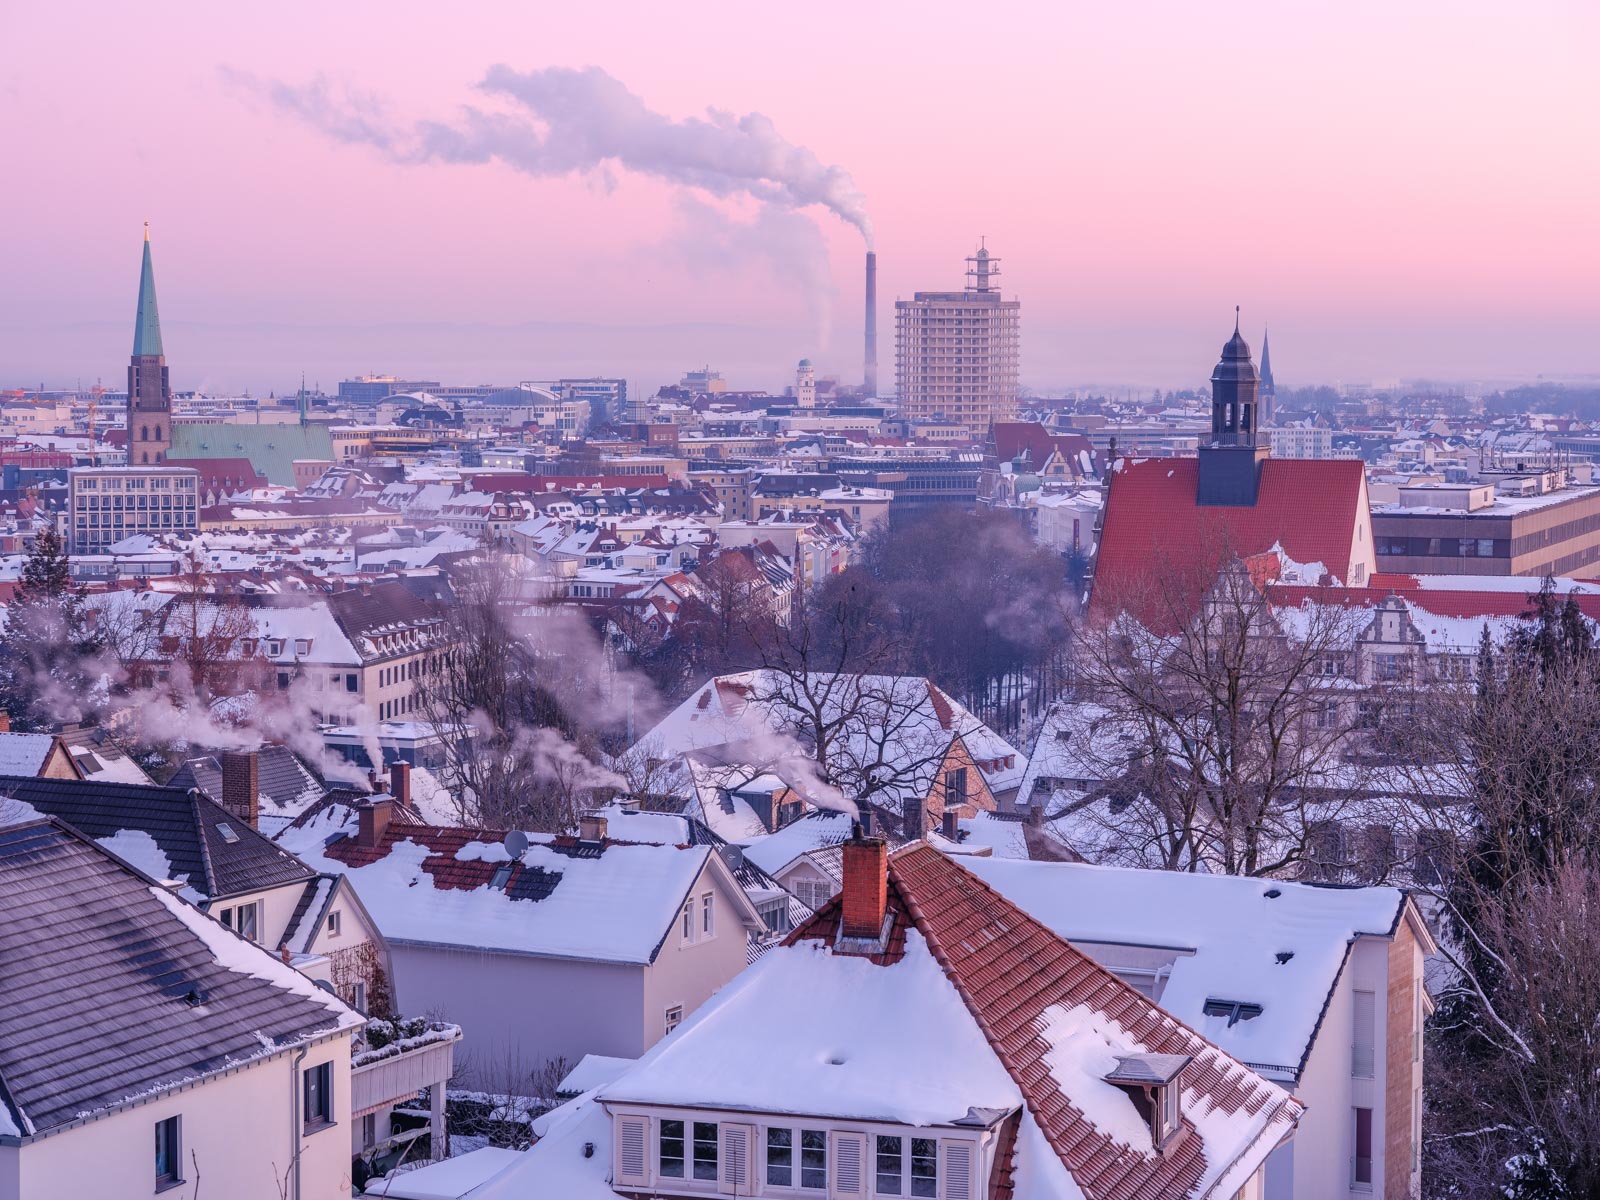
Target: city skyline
(1390, 210)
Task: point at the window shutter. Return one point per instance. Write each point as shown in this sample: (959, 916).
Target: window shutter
(958, 1157)
(633, 1150)
(849, 1151)
(735, 1176)
(1364, 1037)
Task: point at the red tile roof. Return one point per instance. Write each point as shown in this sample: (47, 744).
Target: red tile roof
(1010, 970)
(1441, 602)
(1160, 550)
(1013, 437)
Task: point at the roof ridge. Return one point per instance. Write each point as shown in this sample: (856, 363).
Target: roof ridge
(1165, 1170)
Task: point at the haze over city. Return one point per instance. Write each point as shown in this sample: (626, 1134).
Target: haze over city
(1398, 191)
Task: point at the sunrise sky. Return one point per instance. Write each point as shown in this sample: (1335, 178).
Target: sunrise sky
(1399, 189)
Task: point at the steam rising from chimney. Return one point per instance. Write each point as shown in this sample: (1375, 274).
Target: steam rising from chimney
(565, 121)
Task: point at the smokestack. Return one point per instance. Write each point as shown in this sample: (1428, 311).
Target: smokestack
(241, 789)
(871, 377)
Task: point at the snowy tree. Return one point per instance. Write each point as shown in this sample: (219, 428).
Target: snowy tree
(48, 652)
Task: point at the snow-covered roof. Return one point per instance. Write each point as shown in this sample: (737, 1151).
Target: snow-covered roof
(758, 711)
(609, 902)
(1227, 932)
(904, 1036)
(24, 753)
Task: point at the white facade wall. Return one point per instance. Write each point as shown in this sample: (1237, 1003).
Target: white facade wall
(525, 1010)
(240, 1129)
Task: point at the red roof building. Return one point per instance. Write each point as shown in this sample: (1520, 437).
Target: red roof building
(1171, 524)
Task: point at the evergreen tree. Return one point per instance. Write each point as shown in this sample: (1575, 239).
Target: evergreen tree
(48, 649)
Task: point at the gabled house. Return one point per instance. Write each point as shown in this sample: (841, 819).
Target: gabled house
(742, 751)
(144, 1048)
(217, 861)
(919, 1036)
(539, 947)
(1320, 989)
(43, 755)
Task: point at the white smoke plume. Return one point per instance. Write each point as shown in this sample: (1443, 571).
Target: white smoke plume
(568, 121)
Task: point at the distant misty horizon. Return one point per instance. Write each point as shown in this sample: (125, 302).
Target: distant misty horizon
(234, 359)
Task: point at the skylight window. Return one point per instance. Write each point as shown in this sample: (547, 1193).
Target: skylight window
(1234, 1010)
(229, 834)
(502, 876)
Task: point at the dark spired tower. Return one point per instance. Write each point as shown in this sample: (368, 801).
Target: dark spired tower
(1230, 464)
(149, 391)
(1269, 390)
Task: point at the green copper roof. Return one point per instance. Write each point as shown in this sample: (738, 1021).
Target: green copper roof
(271, 449)
(147, 325)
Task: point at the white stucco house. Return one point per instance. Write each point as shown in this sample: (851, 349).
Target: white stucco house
(541, 948)
(144, 1048)
(1318, 988)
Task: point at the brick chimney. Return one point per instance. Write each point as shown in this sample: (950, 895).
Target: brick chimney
(400, 783)
(5, 721)
(591, 828)
(950, 826)
(241, 789)
(374, 816)
(866, 885)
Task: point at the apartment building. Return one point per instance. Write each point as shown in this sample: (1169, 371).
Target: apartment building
(107, 504)
(956, 353)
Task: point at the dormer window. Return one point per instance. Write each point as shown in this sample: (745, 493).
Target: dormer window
(1154, 1083)
(1234, 1010)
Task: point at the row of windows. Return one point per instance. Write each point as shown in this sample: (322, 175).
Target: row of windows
(796, 1157)
(134, 483)
(135, 503)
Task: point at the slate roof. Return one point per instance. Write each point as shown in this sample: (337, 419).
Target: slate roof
(183, 824)
(99, 757)
(285, 786)
(97, 969)
(1156, 536)
(1011, 972)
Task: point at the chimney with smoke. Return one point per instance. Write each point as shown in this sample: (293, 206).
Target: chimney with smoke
(871, 375)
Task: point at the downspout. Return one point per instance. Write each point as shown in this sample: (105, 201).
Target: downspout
(294, 1116)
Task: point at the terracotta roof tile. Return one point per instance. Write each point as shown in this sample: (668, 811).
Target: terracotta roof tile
(1010, 970)
(1155, 533)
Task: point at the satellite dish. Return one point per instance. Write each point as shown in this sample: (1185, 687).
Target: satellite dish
(516, 844)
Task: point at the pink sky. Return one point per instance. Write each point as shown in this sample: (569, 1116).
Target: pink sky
(1399, 189)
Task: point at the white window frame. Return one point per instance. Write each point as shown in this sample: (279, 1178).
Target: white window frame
(686, 922)
(797, 1169)
(672, 1018)
(334, 922)
(906, 1140)
(708, 915)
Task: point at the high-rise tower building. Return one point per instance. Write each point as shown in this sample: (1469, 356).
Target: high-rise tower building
(149, 391)
(956, 352)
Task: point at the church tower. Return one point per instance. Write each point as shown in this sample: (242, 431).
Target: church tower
(1230, 463)
(149, 391)
(1269, 390)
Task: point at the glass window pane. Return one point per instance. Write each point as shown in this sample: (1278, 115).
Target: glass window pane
(814, 1159)
(888, 1171)
(705, 1150)
(780, 1157)
(672, 1149)
(924, 1167)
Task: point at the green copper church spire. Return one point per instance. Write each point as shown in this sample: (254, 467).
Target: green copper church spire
(147, 324)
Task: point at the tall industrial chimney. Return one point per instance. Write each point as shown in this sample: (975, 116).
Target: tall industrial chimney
(871, 377)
